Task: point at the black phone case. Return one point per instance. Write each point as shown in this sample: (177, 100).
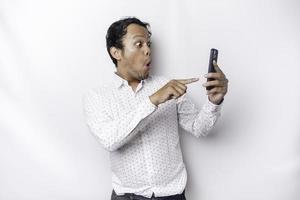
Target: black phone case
(213, 57)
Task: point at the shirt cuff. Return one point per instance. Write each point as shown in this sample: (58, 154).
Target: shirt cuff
(210, 107)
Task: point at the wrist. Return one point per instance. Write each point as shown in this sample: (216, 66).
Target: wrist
(218, 102)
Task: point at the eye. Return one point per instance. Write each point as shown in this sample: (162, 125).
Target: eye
(139, 44)
(149, 44)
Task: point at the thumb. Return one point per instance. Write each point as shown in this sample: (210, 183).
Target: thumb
(216, 66)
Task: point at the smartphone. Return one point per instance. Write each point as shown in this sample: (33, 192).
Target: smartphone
(213, 57)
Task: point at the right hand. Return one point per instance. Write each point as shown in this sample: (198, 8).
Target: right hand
(172, 90)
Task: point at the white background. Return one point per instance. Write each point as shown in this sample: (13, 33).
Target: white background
(52, 52)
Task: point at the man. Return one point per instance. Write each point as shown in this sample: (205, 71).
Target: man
(136, 117)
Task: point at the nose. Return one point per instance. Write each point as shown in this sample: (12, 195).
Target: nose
(147, 51)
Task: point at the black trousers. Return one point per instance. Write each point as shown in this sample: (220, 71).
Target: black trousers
(130, 196)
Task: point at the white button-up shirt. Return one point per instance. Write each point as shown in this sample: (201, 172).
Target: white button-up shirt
(142, 138)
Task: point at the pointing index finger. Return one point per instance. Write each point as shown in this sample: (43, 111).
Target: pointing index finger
(187, 81)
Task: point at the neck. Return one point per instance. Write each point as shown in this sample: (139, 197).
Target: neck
(123, 74)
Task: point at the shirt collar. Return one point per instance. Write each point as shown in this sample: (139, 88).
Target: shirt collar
(118, 81)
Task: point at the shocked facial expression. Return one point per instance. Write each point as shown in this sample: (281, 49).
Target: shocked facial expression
(135, 56)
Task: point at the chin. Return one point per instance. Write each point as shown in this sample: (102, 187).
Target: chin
(145, 76)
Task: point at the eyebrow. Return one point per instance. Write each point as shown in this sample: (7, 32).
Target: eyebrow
(137, 36)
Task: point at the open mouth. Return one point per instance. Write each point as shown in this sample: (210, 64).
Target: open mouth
(148, 64)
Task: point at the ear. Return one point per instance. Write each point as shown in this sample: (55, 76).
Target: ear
(115, 53)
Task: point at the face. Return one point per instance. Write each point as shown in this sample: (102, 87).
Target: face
(135, 56)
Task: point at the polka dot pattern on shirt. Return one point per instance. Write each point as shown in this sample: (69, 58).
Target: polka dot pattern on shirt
(142, 138)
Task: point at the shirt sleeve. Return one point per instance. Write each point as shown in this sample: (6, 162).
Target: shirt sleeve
(199, 123)
(114, 133)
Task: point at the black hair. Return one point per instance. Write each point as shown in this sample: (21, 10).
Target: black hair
(117, 30)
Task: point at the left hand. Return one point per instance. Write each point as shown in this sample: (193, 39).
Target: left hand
(220, 84)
